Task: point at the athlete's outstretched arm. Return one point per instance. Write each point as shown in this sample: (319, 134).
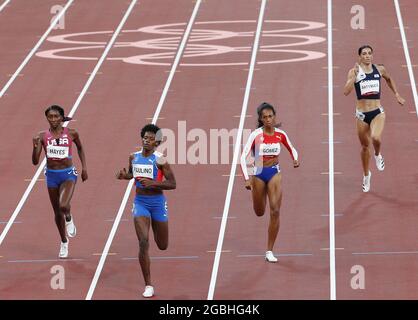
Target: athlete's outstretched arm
(80, 150)
(391, 84)
(37, 148)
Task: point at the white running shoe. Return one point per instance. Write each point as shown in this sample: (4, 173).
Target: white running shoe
(366, 182)
(148, 292)
(270, 257)
(380, 162)
(71, 229)
(64, 250)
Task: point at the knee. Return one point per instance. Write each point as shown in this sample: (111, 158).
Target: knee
(162, 246)
(143, 245)
(275, 213)
(64, 209)
(364, 147)
(376, 139)
(259, 212)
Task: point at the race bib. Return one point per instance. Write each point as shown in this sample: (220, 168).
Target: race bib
(270, 149)
(143, 171)
(57, 152)
(369, 87)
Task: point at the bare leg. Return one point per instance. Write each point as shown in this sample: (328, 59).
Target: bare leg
(274, 191)
(363, 131)
(142, 225)
(376, 128)
(160, 230)
(66, 193)
(258, 190)
(59, 218)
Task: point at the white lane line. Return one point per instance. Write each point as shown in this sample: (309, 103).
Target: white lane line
(277, 255)
(164, 258)
(44, 260)
(131, 182)
(333, 295)
(112, 220)
(236, 155)
(4, 5)
(385, 252)
(36, 47)
(73, 110)
(336, 215)
(406, 51)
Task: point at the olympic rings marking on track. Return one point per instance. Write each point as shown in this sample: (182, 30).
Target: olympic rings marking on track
(198, 47)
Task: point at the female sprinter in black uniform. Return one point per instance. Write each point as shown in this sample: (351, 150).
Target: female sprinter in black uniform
(61, 175)
(148, 167)
(264, 143)
(365, 78)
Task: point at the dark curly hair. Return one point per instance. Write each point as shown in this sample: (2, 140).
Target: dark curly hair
(154, 129)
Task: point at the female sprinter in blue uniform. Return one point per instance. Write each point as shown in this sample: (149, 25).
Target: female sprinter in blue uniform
(148, 167)
(365, 78)
(264, 144)
(61, 175)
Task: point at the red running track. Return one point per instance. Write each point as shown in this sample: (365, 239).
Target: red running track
(376, 230)
(123, 97)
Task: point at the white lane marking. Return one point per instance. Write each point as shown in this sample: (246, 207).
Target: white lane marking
(131, 182)
(36, 47)
(333, 295)
(236, 155)
(385, 252)
(407, 57)
(73, 110)
(4, 5)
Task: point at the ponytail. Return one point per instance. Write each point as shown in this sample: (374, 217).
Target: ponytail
(65, 119)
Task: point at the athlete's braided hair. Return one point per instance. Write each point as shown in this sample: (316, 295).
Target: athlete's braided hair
(60, 111)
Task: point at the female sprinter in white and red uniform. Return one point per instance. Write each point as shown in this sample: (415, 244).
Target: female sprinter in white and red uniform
(264, 144)
(61, 175)
(365, 78)
(148, 167)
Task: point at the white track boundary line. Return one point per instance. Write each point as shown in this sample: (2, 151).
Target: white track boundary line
(131, 182)
(35, 48)
(4, 5)
(331, 159)
(236, 155)
(73, 110)
(407, 57)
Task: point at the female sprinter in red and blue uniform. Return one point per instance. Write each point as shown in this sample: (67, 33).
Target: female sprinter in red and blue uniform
(148, 167)
(264, 144)
(61, 175)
